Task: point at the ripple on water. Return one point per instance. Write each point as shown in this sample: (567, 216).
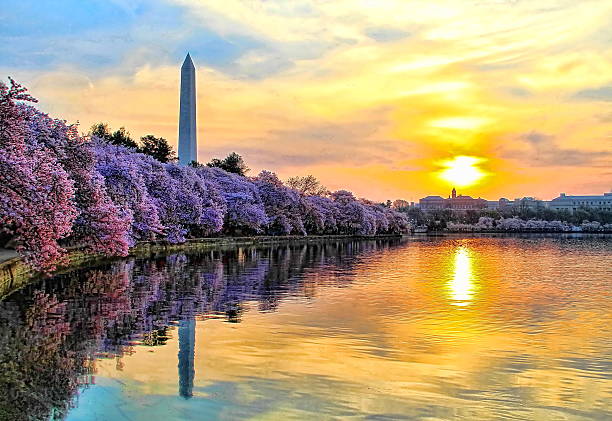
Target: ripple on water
(436, 328)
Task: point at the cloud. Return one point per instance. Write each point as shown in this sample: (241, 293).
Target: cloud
(537, 138)
(113, 37)
(546, 152)
(603, 93)
(385, 34)
(517, 91)
(374, 87)
(604, 117)
(323, 143)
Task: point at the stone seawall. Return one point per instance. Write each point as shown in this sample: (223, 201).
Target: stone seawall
(14, 273)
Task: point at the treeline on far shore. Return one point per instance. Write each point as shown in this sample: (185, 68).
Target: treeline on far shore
(512, 219)
(105, 192)
(515, 224)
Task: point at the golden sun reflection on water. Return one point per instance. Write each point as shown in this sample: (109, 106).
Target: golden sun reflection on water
(377, 335)
(461, 286)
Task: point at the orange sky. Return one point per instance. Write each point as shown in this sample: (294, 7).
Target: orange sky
(372, 96)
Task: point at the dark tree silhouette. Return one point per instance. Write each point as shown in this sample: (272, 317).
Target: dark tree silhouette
(232, 163)
(119, 137)
(157, 147)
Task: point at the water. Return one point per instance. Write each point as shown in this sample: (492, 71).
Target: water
(425, 329)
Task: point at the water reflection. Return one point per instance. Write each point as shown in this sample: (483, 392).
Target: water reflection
(462, 286)
(54, 334)
(347, 330)
(186, 357)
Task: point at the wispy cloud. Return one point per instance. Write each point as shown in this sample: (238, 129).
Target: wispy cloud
(545, 151)
(603, 93)
(386, 34)
(356, 91)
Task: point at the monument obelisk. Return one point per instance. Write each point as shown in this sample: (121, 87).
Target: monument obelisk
(188, 142)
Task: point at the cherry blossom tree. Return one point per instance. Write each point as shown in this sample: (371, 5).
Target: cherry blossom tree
(125, 184)
(308, 185)
(99, 226)
(352, 217)
(36, 193)
(281, 203)
(194, 206)
(58, 188)
(245, 210)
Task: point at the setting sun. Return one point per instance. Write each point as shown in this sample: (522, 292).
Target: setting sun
(241, 205)
(459, 123)
(462, 171)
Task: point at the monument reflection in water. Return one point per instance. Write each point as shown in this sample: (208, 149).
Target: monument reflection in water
(53, 332)
(186, 356)
(435, 328)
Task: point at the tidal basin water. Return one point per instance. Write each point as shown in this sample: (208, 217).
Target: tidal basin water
(447, 328)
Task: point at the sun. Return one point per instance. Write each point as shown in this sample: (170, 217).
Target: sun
(459, 123)
(462, 171)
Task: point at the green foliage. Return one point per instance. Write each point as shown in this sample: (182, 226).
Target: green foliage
(157, 147)
(233, 163)
(119, 137)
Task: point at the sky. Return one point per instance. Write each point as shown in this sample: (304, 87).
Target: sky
(391, 99)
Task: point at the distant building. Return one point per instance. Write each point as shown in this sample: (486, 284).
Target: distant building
(460, 203)
(463, 203)
(500, 204)
(573, 203)
(529, 203)
(431, 203)
(454, 202)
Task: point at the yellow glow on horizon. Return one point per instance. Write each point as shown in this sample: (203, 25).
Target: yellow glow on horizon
(436, 88)
(462, 284)
(462, 171)
(460, 123)
(425, 77)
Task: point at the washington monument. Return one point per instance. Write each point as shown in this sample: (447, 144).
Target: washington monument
(188, 142)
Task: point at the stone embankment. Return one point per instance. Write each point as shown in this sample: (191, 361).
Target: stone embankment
(14, 273)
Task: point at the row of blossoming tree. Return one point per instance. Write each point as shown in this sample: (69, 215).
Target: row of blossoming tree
(521, 225)
(58, 187)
